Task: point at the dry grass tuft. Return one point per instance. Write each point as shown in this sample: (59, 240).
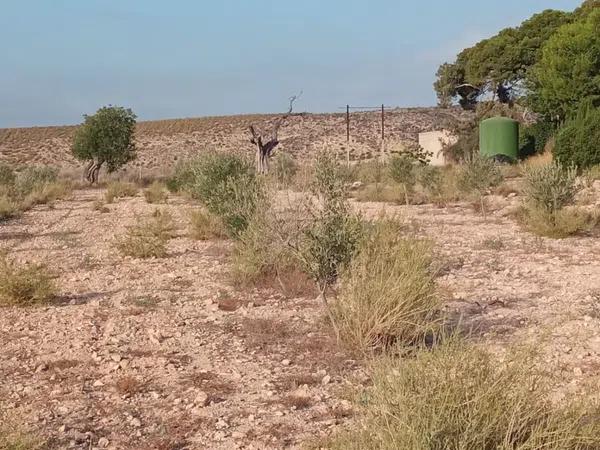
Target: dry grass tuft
(457, 396)
(205, 226)
(388, 292)
(382, 193)
(148, 239)
(24, 285)
(119, 189)
(128, 385)
(156, 193)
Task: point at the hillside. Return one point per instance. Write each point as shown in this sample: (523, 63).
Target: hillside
(161, 143)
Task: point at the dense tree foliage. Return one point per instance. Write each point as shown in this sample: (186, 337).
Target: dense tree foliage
(106, 137)
(568, 71)
(578, 142)
(498, 65)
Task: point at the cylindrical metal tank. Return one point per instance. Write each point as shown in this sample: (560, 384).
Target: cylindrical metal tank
(499, 136)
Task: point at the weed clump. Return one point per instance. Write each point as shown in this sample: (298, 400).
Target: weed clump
(156, 193)
(387, 292)
(457, 397)
(120, 189)
(549, 192)
(24, 285)
(205, 226)
(148, 238)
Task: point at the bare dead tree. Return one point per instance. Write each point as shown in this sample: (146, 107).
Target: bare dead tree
(264, 148)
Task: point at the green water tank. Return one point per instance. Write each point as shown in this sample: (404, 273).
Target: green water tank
(499, 136)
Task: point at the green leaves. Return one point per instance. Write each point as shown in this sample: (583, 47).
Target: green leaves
(107, 136)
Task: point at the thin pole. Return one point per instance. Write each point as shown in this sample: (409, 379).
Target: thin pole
(348, 136)
(347, 123)
(382, 123)
(382, 132)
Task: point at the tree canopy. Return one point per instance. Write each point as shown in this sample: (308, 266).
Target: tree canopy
(498, 65)
(106, 137)
(568, 71)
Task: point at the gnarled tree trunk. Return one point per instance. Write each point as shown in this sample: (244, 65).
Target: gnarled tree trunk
(264, 150)
(92, 170)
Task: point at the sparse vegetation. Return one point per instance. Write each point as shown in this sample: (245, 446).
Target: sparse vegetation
(156, 193)
(30, 187)
(284, 169)
(205, 226)
(388, 291)
(456, 396)
(549, 190)
(119, 189)
(228, 187)
(402, 171)
(24, 285)
(148, 239)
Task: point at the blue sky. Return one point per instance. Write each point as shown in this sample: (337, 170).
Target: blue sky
(185, 58)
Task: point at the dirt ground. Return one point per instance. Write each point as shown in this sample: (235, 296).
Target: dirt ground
(166, 354)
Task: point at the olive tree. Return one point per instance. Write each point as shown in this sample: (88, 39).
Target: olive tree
(106, 137)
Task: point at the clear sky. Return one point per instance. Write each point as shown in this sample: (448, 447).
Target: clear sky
(186, 58)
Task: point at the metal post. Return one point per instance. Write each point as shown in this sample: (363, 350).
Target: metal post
(348, 136)
(382, 133)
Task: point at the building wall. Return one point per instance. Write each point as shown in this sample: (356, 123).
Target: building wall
(434, 142)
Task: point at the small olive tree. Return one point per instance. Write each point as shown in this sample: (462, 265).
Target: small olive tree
(106, 137)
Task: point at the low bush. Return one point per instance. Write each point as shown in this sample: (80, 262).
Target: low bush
(557, 224)
(548, 190)
(333, 231)
(24, 285)
(478, 174)
(228, 187)
(35, 177)
(156, 193)
(402, 171)
(119, 189)
(550, 187)
(387, 292)
(456, 396)
(204, 226)
(382, 193)
(148, 238)
(32, 186)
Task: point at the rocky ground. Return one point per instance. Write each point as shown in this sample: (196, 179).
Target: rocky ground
(166, 354)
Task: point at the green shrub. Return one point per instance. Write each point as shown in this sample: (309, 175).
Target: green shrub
(32, 178)
(548, 190)
(156, 193)
(535, 137)
(478, 174)
(439, 185)
(119, 189)
(550, 187)
(456, 396)
(204, 226)
(24, 285)
(228, 187)
(148, 238)
(578, 142)
(387, 292)
(402, 171)
(330, 240)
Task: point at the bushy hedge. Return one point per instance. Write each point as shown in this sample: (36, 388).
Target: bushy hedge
(578, 142)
